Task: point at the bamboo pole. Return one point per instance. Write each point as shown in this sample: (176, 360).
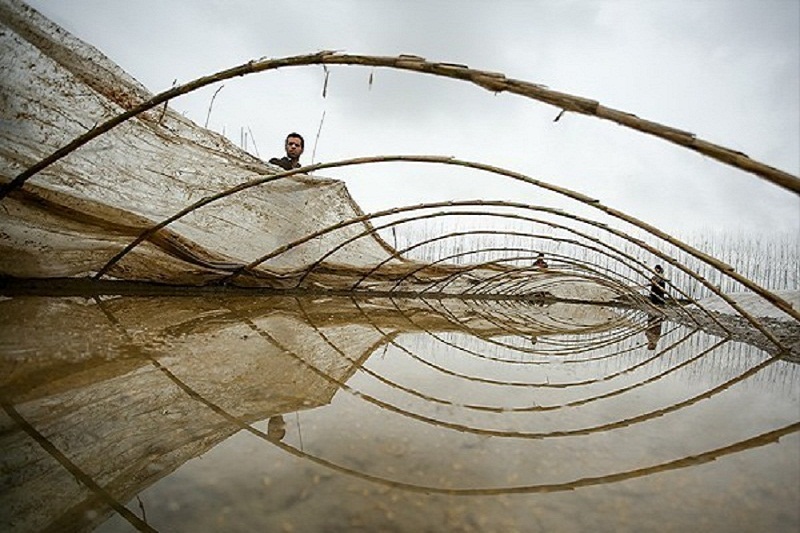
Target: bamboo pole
(494, 82)
(772, 298)
(491, 81)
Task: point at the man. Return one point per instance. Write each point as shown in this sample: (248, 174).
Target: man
(658, 286)
(294, 149)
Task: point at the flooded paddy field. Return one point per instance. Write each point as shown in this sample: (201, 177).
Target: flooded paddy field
(234, 413)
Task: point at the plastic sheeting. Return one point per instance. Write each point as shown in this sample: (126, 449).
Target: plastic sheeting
(75, 215)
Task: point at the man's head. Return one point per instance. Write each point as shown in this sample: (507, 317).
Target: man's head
(659, 269)
(294, 145)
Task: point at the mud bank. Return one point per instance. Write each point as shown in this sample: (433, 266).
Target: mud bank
(716, 315)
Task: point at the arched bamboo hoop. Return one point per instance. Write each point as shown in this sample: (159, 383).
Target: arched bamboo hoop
(528, 255)
(490, 81)
(378, 266)
(618, 233)
(496, 83)
(438, 238)
(725, 269)
(728, 270)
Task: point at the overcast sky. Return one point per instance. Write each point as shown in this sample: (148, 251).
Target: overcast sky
(726, 70)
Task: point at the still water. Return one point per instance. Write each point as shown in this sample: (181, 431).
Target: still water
(333, 414)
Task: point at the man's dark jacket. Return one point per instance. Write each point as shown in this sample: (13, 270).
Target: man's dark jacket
(285, 163)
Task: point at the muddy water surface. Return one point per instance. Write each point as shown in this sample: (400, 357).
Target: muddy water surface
(300, 414)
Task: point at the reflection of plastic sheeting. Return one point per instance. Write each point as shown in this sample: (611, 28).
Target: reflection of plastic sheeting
(141, 392)
(123, 391)
(148, 377)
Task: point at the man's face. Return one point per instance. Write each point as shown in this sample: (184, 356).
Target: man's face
(294, 147)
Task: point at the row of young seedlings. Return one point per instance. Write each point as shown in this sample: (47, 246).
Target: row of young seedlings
(772, 261)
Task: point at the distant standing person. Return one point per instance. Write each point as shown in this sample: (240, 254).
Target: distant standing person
(294, 149)
(658, 286)
(540, 263)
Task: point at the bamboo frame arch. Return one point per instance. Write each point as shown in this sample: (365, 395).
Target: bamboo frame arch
(491, 81)
(725, 269)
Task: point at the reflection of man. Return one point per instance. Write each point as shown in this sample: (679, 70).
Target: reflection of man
(276, 428)
(653, 331)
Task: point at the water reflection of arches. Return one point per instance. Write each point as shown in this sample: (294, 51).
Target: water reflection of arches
(110, 393)
(163, 387)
